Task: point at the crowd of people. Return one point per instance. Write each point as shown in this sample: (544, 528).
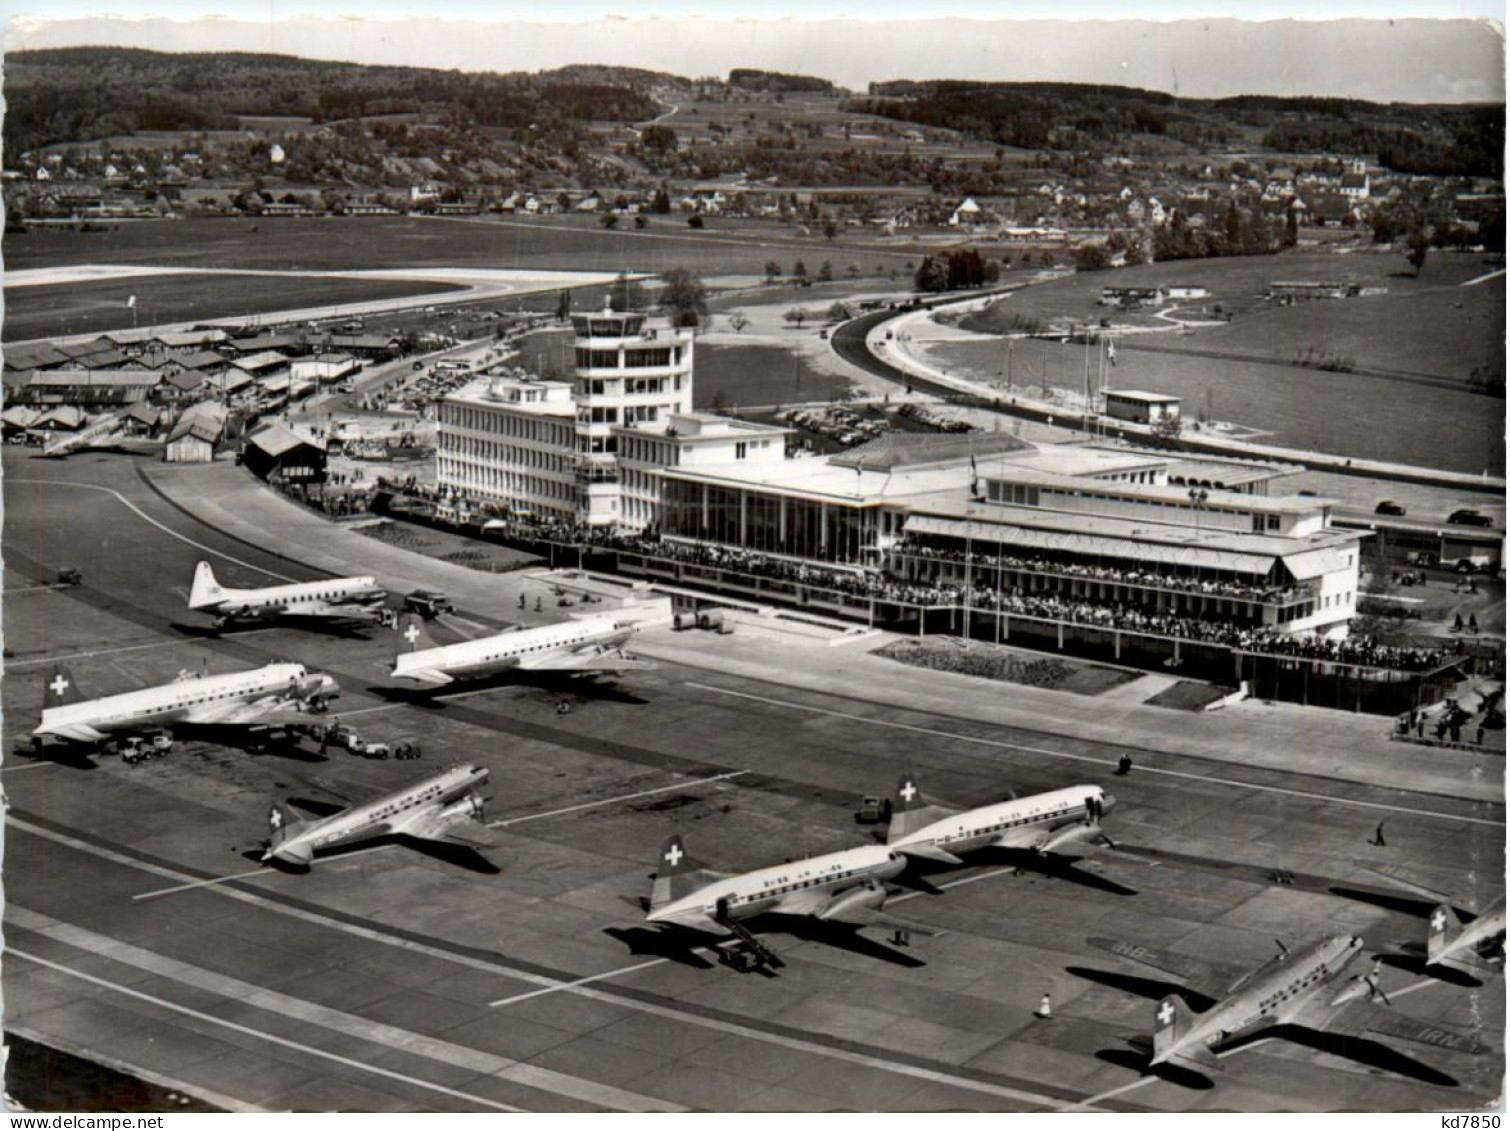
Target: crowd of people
(1119, 575)
(875, 584)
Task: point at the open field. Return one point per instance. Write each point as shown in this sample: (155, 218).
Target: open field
(1304, 408)
(732, 376)
(1237, 284)
(55, 311)
(548, 243)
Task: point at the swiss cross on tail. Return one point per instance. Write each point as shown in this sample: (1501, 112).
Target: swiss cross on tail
(61, 688)
(909, 796)
(674, 860)
(411, 631)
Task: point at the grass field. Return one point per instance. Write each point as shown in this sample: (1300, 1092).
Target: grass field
(53, 311)
(1366, 417)
(548, 243)
(734, 376)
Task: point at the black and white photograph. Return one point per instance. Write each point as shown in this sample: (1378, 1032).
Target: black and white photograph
(711, 559)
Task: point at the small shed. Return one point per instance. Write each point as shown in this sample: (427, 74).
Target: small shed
(197, 433)
(1141, 407)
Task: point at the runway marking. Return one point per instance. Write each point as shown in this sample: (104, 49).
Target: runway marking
(145, 517)
(934, 732)
(311, 1050)
(614, 800)
(36, 589)
(350, 1025)
(578, 982)
(35, 660)
(25, 766)
(201, 883)
(684, 1016)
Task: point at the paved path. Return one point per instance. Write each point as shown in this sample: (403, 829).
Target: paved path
(1278, 736)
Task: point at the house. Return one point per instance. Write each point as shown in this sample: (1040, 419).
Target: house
(280, 453)
(1187, 290)
(202, 361)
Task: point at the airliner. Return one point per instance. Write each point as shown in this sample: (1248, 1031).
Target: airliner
(840, 887)
(274, 695)
(1303, 991)
(1470, 945)
(587, 646)
(338, 597)
(104, 432)
(1044, 823)
(445, 807)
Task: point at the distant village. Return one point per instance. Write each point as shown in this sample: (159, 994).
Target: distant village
(1139, 207)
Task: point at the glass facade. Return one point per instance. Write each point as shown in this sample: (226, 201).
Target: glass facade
(773, 524)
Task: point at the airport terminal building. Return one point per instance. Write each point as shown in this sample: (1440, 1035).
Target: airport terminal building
(588, 452)
(1002, 524)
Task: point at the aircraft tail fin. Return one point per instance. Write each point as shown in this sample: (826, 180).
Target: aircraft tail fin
(1442, 931)
(1172, 1022)
(206, 590)
(910, 810)
(61, 688)
(283, 823)
(412, 634)
(677, 875)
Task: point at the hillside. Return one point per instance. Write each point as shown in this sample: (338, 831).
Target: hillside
(86, 93)
(1438, 140)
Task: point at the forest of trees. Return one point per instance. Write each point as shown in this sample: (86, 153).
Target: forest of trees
(748, 78)
(81, 94)
(1439, 140)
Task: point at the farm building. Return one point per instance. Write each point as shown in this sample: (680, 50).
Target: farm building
(1306, 290)
(279, 452)
(1131, 296)
(1187, 290)
(195, 436)
(1141, 407)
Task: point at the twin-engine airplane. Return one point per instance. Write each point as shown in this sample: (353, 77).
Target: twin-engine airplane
(1043, 824)
(354, 598)
(278, 694)
(1296, 994)
(846, 887)
(589, 646)
(445, 807)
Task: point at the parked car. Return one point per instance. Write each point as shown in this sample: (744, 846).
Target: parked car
(1469, 518)
(1389, 506)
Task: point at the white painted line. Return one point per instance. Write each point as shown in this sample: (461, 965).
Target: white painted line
(36, 660)
(145, 517)
(578, 982)
(933, 732)
(613, 800)
(1141, 1081)
(35, 589)
(202, 883)
(13, 952)
(26, 766)
(812, 1048)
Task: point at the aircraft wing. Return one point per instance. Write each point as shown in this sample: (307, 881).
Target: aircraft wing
(79, 732)
(586, 661)
(431, 825)
(431, 677)
(1198, 973)
(929, 852)
(324, 609)
(872, 917)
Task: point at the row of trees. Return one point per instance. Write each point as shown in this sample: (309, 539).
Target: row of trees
(956, 270)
